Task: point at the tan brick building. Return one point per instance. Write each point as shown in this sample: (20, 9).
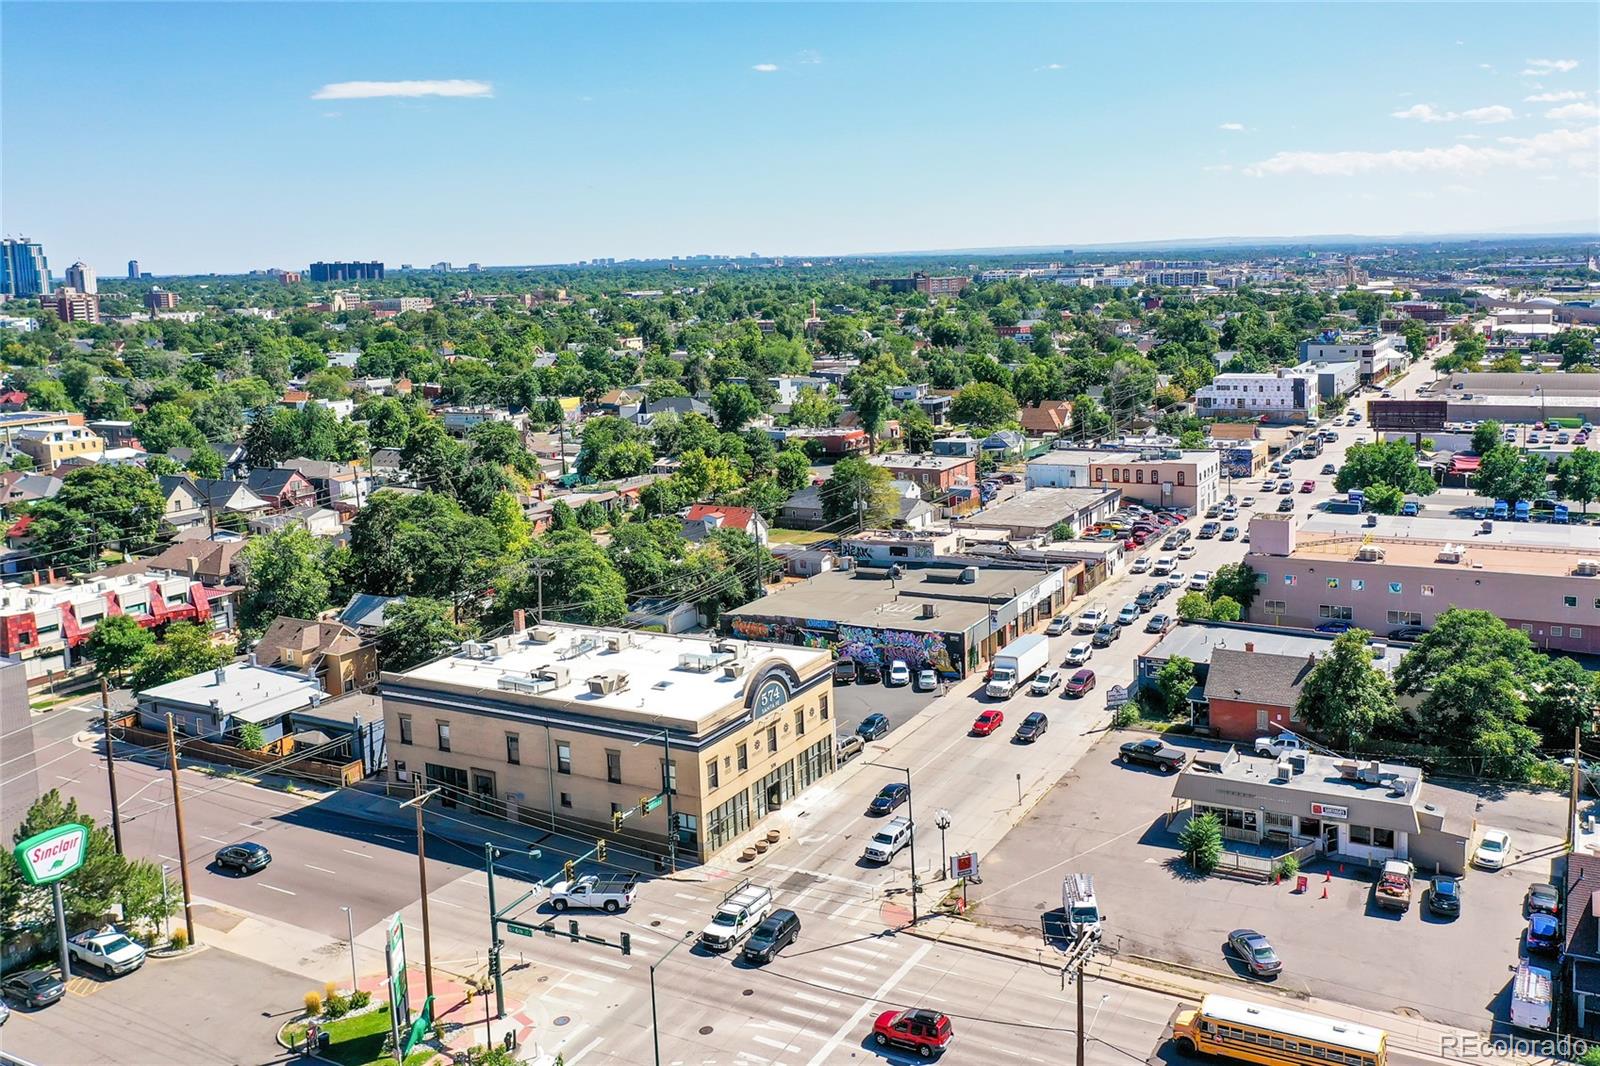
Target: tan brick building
(562, 726)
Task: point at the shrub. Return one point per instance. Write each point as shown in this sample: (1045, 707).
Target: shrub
(313, 1003)
(1288, 867)
(180, 939)
(1201, 841)
(1549, 774)
(336, 1006)
(1125, 716)
(360, 999)
(330, 989)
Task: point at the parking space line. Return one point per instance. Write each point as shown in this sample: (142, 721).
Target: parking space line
(322, 869)
(357, 854)
(275, 888)
(584, 1050)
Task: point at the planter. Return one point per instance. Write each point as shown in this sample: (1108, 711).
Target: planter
(761, 846)
(747, 855)
(773, 836)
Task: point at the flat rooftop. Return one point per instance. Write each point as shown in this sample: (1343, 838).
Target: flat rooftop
(1037, 507)
(902, 461)
(1491, 558)
(1324, 776)
(1577, 538)
(680, 679)
(1083, 457)
(1196, 642)
(868, 598)
(246, 691)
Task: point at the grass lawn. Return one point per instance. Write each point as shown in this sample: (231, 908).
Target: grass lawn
(799, 536)
(359, 1041)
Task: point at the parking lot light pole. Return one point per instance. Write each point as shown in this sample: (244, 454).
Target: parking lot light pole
(350, 926)
(911, 816)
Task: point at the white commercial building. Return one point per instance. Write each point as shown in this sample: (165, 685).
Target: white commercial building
(1283, 394)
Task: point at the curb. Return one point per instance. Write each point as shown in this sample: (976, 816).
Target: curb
(312, 1057)
(168, 954)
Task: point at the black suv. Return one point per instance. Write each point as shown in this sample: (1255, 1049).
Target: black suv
(781, 929)
(1032, 727)
(868, 673)
(844, 672)
(1105, 635)
(245, 858)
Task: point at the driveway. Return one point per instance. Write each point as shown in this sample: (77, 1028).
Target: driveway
(1108, 820)
(209, 1008)
(899, 702)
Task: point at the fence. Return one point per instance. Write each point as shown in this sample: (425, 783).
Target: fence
(337, 774)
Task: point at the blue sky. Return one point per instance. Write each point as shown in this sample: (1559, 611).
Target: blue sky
(225, 137)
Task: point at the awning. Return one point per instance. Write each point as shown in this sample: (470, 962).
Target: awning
(1465, 464)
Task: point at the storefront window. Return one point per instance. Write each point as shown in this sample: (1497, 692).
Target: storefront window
(1382, 838)
(1360, 834)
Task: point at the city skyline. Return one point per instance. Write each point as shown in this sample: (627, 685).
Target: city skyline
(556, 133)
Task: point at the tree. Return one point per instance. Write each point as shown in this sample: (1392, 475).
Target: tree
(204, 462)
(1477, 708)
(1385, 499)
(97, 507)
(1458, 636)
(185, 649)
(734, 404)
(424, 545)
(1225, 609)
(1194, 607)
(501, 444)
(793, 469)
(416, 630)
(1345, 698)
(811, 408)
(252, 737)
(1578, 477)
(1392, 463)
(1062, 531)
(1416, 335)
(984, 406)
(858, 494)
(1506, 474)
(591, 515)
(1568, 698)
(1168, 694)
(286, 577)
(166, 426)
(869, 395)
(1201, 841)
(916, 428)
(581, 587)
(1236, 581)
(117, 645)
(1486, 436)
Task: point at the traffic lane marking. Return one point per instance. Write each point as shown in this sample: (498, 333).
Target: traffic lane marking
(322, 869)
(275, 888)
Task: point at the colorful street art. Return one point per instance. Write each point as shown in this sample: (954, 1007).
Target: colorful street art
(881, 646)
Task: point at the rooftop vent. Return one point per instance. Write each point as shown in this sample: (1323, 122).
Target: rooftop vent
(969, 575)
(618, 641)
(928, 611)
(1452, 553)
(733, 671)
(1369, 553)
(608, 683)
(542, 635)
(1587, 568)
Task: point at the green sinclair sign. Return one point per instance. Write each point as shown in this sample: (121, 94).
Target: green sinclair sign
(53, 854)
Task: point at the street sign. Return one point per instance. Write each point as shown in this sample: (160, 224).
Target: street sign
(964, 864)
(53, 854)
(653, 802)
(520, 930)
(394, 956)
(1116, 696)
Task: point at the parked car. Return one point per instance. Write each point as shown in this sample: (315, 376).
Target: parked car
(1329, 469)
(1493, 851)
(899, 673)
(244, 858)
(1045, 682)
(1140, 565)
(1187, 551)
(107, 950)
(1165, 564)
(1543, 936)
(1444, 896)
(1409, 510)
(1104, 636)
(1078, 654)
(1231, 533)
(889, 797)
(925, 1032)
(33, 988)
(1269, 485)
(1199, 580)
(1147, 598)
(1128, 615)
(1081, 683)
(1256, 952)
(873, 726)
(1408, 633)
(1090, 620)
(987, 722)
(1286, 488)
(1058, 625)
(1211, 529)
(1248, 501)
(844, 672)
(849, 747)
(888, 840)
(780, 929)
(1285, 505)
(1158, 623)
(1152, 752)
(1544, 898)
(868, 673)
(927, 680)
(1308, 486)
(1334, 627)
(1032, 727)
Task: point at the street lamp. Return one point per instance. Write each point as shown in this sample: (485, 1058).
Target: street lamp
(942, 820)
(655, 1029)
(911, 816)
(350, 926)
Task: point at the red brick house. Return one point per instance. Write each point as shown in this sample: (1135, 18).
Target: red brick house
(1048, 419)
(1254, 694)
(702, 518)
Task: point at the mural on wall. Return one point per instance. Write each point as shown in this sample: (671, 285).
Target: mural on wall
(883, 646)
(780, 633)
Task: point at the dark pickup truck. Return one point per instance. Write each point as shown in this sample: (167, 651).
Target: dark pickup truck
(1152, 752)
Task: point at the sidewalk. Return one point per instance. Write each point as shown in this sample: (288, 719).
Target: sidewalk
(1414, 1036)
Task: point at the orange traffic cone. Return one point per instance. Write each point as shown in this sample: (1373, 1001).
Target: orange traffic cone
(1326, 877)
(1324, 891)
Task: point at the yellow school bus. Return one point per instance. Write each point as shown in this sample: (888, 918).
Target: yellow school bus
(1274, 1036)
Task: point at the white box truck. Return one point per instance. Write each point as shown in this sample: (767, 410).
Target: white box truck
(1531, 998)
(1016, 663)
(1081, 909)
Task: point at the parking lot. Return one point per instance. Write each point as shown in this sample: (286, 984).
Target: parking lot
(899, 702)
(1109, 820)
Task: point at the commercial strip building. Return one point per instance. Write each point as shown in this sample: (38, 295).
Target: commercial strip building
(1156, 477)
(564, 726)
(1365, 812)
(1035, 512)
(1518, 398)
(1380, 582)
(1379, 355)
(948, 618)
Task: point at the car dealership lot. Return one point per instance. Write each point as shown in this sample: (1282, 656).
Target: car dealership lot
(1109, 820)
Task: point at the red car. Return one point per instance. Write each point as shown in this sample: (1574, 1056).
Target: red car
(927, 1032)
(987, 723)
(1307, 486)
(1080, 683)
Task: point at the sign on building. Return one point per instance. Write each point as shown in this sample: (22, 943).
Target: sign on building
(394, 957)
(964, 865)
(1329, 810)
(53, 854)
(1116, 695)
(1408, 416)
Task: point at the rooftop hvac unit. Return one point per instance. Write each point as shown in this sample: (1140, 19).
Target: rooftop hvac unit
(733, 670)
(1369, 553)
(1452, 553)
(474, 649)
(618, 641)
(555, 675)
(612, 681)
(1587, 568)
(969, 575)
(542, 635)
(928, 611)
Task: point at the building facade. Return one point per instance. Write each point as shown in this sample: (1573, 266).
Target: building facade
(1281, 395)
(50, 446)
(71, 305)
(159, 299)
(80, 276)
(24, 271)
(372, 271)
(1155, 477)
(566, 726)
(935, 475)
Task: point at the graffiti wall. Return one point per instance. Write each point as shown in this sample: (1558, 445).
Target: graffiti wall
(940, 651)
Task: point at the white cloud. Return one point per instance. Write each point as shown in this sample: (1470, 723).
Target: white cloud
(371, 90)
(1556, 98)
(1539, 68)
(1429, 113)
(1425, 113)
(765, 68)
(1232, 127)
(1458, 190)
(1489, 115)
(1572, 111)
(1575, 147)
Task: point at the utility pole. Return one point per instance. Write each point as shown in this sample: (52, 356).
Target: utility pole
(183, 847)
(415, 803)
(494, 938)
(1572, 800)
(1081, 1038)
(540, 568)
(668, 779)
(111, 762)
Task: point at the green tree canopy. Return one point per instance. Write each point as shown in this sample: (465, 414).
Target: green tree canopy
(1578, 477)
(287, 575)
(117, 645)
(1346, 699)
(185, 649)
(416, 630)
(984, 406)
(858, 490)
(1391, 463)
(98, 507)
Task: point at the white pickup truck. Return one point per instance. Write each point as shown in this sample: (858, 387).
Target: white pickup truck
(740, 911)
(1282, 744)
(604, 892)
(106, 950)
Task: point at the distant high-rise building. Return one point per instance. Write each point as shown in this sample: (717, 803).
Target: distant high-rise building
(133, 270)
(372, 271)
(23, 268)
(80, 276)
(159, 299)
(73, 305)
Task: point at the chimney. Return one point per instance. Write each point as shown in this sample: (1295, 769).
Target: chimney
(220, 674)
(519, 620)
(1249, 645)
(194, 566)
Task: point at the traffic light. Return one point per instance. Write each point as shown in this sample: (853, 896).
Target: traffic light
(616, 821)
(568, 868)
(599, 851)
(627, 944)
(677, 821)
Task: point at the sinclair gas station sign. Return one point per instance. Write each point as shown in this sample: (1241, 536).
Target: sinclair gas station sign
(51, 855)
